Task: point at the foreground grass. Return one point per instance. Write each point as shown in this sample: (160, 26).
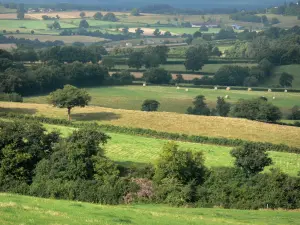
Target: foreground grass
(170, 122)
(16, 209)
(129, 149)
(173, 100)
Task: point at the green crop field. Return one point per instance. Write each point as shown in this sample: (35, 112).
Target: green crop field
(16, 209)
(291, 69)
(126, 149)
(171, 99)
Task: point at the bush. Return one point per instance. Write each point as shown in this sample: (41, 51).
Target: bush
(11, 97)
(256, 109)
(150, 105)
(251, 159)
(157, 76)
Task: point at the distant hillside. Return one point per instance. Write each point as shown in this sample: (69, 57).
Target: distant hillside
(199, 4)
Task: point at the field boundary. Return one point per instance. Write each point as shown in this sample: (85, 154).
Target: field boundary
(156, 134)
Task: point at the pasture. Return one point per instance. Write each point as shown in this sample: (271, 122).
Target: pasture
(173, 100)
(16, 209)
(211, 126)
(128, 149)
(291, 69)
(66, 39)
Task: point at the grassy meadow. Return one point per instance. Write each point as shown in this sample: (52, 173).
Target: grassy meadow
(173, 100)
(291, 69)
(169, 122)
(128, 149)
(16, 209)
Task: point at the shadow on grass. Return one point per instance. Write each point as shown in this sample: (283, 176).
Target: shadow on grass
(95, 116)
(18, 110)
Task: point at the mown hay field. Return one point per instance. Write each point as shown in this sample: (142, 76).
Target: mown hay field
(170, 122)
(129, 149)
(17, 209)
(173, 100)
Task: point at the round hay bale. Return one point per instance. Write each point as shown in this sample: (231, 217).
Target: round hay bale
(144, 84)
(178, 88)
(228, 89)
(269, 90)
(216, 88)
(285, 91)
(249, 89)
(186, 89)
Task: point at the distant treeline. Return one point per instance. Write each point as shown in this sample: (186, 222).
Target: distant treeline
(168, 9)
(59, 66)
(28, 43)
(97, 33)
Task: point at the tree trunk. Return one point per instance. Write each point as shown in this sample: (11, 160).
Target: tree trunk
(69, 114)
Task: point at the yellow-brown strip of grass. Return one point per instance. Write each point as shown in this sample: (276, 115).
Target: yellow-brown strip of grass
(170, 122)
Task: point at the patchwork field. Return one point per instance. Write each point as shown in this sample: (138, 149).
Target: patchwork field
(16, 209)
(173, 100)
(170, 122)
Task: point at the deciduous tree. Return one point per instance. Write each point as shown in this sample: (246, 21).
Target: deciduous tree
(69, 97)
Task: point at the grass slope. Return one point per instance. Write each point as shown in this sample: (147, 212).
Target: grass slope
(171, 99)
(170, 122)
(128, 149)
(291, 69)
(16, 209)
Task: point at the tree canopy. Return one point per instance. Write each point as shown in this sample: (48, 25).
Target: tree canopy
(69, 97)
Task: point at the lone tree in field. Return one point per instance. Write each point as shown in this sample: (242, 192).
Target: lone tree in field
(200, 107)
(252, 159)
(150, 105)
(222, 107)
(82, 15)
(195, 58)
(84, 24)
(69, 97)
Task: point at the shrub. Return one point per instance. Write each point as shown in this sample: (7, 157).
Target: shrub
(251, 159)
(150, 105)
(256, 109)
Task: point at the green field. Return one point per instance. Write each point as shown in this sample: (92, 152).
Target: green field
(171, 99)
(128, 149)
(291, 69)
(16, 209)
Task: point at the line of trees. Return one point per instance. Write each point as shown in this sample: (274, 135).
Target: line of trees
(253, 109)
(44, 164)
(148, 57)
